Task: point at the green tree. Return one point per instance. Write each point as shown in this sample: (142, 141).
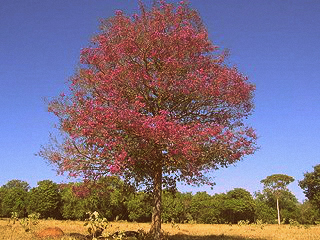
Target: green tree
(72, 206)
(239, 205)
(14, 197)
(311, 186)
(15, 183)
(14, 200)
(139, 206)
(309, 213)
(203, 208)
(107, 196)
(263, 211)
(2, 194)
(276, 184)
(175, 206)
(117, 193)
(45, 199)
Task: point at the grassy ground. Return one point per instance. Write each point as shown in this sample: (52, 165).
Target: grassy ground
(15, 231)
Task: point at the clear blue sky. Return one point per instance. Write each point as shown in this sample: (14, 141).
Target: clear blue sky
(275, 43)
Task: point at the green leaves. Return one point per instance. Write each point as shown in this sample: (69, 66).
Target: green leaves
(311, 185)
(277, 183)
(45, 199)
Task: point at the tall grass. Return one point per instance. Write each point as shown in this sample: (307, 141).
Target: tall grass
(10, 231)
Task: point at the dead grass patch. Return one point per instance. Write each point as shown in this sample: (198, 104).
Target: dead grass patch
(178, 232)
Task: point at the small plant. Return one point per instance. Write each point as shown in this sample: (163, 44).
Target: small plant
(14, 218)
(294, 223)
(259, 223)
(243, 222)
(143, 235)
(119, 236)
(174, 224)
(306, 226)
(96, 224)
(32, 220)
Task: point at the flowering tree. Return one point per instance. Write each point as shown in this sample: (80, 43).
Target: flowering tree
(153, 101)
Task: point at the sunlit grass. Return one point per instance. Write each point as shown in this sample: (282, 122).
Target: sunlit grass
(15, 231)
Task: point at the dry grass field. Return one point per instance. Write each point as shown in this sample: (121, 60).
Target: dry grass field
(9, 231)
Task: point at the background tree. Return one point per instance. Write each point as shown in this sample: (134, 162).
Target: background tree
(239, 205)
(108, 196)
(15, 183)
(175, 206)
(73, 207)
(266, 206)
(139, 206)
(311, 186)
(263, 211)
(14, 198)
(309, 214)
(276, 184)
(155, 102)
(45, 199)
(203, 208)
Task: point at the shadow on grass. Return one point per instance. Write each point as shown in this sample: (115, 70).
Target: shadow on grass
(211, 237)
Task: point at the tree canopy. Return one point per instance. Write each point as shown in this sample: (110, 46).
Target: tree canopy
(311, 185)
(276, 185)
(15, 183)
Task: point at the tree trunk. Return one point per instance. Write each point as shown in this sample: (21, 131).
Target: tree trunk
(278, 211)
(156, 213)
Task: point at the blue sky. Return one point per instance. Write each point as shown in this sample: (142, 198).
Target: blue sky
(275, 43)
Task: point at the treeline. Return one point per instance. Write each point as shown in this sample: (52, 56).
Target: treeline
(115, 200)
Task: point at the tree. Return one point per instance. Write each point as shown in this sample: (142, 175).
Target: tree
(15, 183)
(73, 207)
(45, 199)
(154, 102)
(13, 196)
(239, 205)
(14, 200)
(139, 207)
(276, 184)
(264, 212)
(175, 206)
(311, 186)
(309, 214)
(203, 209)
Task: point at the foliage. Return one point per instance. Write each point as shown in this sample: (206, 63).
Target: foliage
(115, 200)
(311, 186)
(15, 183)
(45, 199)
(243, 222)
(264, 212)
(139, 207)
(309, 214)
(14, 200)
(108, 196)
(30, 221)
(239, 206)
(96, 224)
(203, 208)
(175, 206)
(153, 101)
(147, 89)
(277, 183)
(13, 196)
(14, 217)
(73, 207)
